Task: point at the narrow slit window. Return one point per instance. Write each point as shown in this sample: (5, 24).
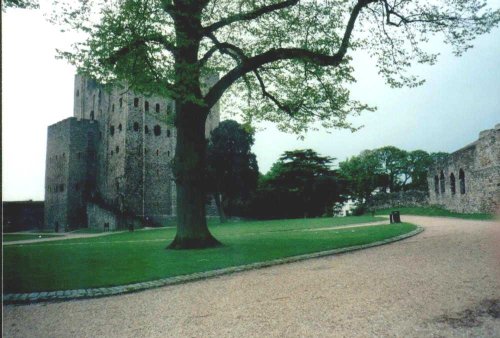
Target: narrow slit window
(157, 108)
(136, 102)
(461, 178)
(441, 181)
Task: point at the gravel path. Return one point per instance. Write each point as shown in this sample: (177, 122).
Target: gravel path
(443, 282)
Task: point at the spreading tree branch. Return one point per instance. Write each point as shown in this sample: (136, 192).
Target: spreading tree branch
(248, 15)
(278, 54)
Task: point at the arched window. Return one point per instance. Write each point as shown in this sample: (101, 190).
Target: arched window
(146, 129)
(461, 178)
(168, 132)
(441, 181)
(146, 106)
(452, 184)
(157, 108)
(112, 130)
(136, 126)
(113, 107)
(157, 130)
(120, 127)
(92, 115)
(136, 102)
(120, 102)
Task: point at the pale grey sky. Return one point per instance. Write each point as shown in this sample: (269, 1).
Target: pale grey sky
(460, 98)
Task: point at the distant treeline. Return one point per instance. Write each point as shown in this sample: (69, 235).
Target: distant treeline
(302, 183)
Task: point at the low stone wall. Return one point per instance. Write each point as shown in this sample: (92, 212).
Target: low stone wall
(410, 198)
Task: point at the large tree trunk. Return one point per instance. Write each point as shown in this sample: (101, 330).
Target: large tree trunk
(190, 169)
(190, 117)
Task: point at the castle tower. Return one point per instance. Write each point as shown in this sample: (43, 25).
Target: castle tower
(133, 142)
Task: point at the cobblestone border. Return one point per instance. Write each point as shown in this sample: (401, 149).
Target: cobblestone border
(36, 297)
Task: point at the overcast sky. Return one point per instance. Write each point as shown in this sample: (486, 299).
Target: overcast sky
(460, 98)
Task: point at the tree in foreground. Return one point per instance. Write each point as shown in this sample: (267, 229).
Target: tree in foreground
(232, 167)
(286, 60)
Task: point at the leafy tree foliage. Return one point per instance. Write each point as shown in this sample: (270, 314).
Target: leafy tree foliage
(363, 174)
(387, 168)
(28, 4)
(300, 184)
(232, 167)
(287, 59)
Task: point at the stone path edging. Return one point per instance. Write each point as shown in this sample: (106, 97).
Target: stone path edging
(36, 297)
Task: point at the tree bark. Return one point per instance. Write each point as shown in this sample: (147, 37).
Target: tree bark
(190, 116)
(190, 169)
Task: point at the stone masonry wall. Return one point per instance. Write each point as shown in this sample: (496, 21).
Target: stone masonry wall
(469, 180)
(100, 218)
(411, 198)
(68, 175)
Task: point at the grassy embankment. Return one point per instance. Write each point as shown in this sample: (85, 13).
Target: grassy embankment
(129, 257)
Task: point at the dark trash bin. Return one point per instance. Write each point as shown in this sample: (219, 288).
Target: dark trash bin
(395, 217)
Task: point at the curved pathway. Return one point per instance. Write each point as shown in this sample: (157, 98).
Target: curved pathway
(443, 282)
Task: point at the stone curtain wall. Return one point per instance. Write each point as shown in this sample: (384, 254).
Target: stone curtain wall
(410, 198)
(469, 180)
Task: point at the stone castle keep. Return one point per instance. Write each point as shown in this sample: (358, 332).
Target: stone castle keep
(468, 180)
(108, 166)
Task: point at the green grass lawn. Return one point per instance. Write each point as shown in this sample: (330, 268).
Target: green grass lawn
(433, 211)
(130, 257)
(21, 237)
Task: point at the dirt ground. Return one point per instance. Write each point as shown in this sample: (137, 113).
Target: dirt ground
(444, 282)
